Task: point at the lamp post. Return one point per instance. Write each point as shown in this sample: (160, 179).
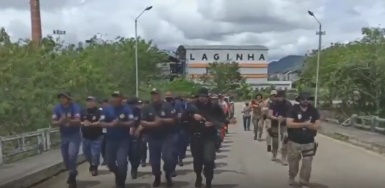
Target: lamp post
(319, 33)
(136, 52)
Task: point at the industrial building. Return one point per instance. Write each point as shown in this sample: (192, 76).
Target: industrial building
(252, 60)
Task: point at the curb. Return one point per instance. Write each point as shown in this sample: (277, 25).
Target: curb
(35, 177)
(354, 141)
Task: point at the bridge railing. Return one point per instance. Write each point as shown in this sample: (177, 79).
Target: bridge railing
(367, 123)
(16, 147)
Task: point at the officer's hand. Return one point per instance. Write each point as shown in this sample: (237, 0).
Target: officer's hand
(209, 124)
(280, 118)
(86, 123)
(197, 117)
(132, 131)
(308, 123)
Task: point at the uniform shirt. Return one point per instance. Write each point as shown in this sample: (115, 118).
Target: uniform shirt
(302, 135)
(123, 113)
(162, 110)
(92, 115)
(280, 108)
(137, 113)
(212, 112)
(71, 111)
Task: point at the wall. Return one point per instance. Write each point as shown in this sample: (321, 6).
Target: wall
(253, 63)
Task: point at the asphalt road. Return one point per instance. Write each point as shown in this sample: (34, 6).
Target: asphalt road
(244, 162)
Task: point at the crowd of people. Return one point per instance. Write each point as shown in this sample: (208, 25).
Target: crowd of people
(292, 128)
(122, 130)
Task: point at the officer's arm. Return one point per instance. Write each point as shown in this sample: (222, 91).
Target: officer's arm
(290, 120)
(76, 119)
(189, 113)
(144, 118)
(56, 119)
(170, 114)
(316, 123)
(270, 113)
(83, 117)
(220, 119)
(98, 115)
(179, 111)
(130, 120)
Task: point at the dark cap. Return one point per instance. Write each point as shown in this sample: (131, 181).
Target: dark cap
(281, 93)
(116, 94)
(203, 92)
(132, 100)
(154, 91)
(91, 98)
(304, 95)
(65, 94)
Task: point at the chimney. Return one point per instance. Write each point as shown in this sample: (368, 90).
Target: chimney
(35, 21)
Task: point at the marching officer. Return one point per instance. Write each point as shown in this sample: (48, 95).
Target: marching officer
(204, 118)
(135, 147)
(278, 111)
(265, 119)
(302, 125)
(66, 116)
(258, 123)
(118, 118)
(158, 119)
(92, 134)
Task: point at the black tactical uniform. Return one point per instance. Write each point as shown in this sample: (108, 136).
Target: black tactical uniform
(303, 121)
(92, 136)
(204, 135)
(134, 150)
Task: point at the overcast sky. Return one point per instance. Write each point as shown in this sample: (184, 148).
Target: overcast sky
(282, 25)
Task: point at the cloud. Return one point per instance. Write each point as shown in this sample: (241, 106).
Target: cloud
(282, 25)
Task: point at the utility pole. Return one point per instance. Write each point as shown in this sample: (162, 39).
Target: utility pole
(35, 21)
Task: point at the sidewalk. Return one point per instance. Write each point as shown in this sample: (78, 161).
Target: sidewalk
(369, 140)
(32, 170)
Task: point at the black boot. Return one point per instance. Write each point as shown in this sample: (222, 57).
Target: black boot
(208, 183)
(134, 174)
(90, 168)
(94, 170)
(269, 148)
(169, 179)
(120, 181)
(71, 181)
(180, 162)
(198, 181)
(156, 181)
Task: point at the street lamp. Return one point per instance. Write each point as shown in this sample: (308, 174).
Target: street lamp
(136, 52)
(319, 33)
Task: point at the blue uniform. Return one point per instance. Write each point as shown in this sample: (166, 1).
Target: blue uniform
(161, 140)
(70, 135)
(117, 140)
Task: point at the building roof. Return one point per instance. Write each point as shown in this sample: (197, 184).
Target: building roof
(223, 47)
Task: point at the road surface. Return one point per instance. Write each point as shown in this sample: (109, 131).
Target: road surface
(245, 163)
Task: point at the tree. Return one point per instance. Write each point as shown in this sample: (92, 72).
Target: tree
(352, 72)
(223, 77)
(31, 77)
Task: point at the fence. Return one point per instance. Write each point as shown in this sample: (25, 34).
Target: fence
(16, 147)
(367, 123)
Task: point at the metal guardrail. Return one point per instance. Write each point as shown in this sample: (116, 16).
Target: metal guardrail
(367, 123)
(16, 147)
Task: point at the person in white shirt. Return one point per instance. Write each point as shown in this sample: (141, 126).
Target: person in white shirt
(246, 112)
